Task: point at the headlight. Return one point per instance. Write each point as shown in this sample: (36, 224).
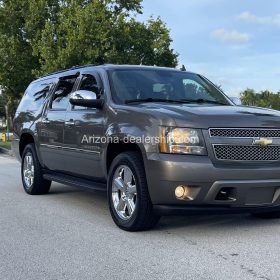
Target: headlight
(182, 141)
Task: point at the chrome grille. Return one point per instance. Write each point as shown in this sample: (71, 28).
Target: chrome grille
(239, 144)
(247, 153)
(244, 133)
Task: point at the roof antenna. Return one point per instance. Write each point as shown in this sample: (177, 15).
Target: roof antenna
(183, 68)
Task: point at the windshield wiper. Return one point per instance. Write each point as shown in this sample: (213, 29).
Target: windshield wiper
(180, 101)
(201, 100)
(154, 100)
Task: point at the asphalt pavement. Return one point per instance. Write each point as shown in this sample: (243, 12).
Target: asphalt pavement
(69, 234)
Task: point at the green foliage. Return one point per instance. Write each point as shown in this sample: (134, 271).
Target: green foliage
(16, 59)
(39, 36)
(265, 98)
(95, 33)
(5, 145)
(2, 106)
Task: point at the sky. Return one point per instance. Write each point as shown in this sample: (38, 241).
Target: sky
(236, 44)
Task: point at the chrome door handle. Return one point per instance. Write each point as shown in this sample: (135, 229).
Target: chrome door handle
(46, 121)
(70, 123)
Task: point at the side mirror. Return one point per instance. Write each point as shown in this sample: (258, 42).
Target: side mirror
(86, 98)
(236, 100)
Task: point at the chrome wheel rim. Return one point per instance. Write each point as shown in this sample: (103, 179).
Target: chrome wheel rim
(28, 170)
(124, 192)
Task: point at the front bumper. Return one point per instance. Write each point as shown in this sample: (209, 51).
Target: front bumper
(256, 188)
(170, 210)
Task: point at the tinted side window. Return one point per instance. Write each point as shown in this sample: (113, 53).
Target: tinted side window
(61, 94)
(89, 82)
(35, 95)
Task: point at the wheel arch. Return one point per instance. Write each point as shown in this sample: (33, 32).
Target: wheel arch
(114, 149)
(25, 139)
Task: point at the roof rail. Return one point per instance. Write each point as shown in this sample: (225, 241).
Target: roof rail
(69, 69)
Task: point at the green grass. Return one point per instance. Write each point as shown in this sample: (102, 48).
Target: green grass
(6, 145)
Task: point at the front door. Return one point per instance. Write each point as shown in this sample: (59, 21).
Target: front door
(84, 128)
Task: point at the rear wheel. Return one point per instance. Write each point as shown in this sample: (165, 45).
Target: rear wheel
(129, 201)
(31, 173)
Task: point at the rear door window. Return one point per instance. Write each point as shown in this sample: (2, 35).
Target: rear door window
(35, 96)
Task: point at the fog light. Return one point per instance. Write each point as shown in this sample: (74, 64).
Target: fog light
(183, 192)
(179, 191)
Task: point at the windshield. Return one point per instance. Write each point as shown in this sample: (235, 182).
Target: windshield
(160, 85)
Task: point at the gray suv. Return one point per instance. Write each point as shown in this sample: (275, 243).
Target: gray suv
(160, 141)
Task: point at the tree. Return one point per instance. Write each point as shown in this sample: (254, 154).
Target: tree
(40, 36)
(2, 106)
(94, 32)
(265, 98)
(16, 59)
(248, 97)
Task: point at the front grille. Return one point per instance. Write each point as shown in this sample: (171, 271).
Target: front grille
(244, 133)
(247, 153)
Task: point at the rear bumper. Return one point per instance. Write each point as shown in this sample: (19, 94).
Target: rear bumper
(255, 188)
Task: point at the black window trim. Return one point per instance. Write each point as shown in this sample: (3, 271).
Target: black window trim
(94, 73)
(48, 106)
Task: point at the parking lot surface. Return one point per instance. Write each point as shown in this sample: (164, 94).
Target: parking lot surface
(69, 234)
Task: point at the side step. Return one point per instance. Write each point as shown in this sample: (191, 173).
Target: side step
(76, 182)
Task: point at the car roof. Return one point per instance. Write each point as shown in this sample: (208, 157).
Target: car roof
(75, 70)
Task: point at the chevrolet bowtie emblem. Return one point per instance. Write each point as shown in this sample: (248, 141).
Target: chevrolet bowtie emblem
(262, 142)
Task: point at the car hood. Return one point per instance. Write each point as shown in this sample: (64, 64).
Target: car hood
(185, 115)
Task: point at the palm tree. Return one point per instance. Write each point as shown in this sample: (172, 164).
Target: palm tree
(249, 97)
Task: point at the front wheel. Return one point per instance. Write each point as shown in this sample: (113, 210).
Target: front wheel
(128, 197)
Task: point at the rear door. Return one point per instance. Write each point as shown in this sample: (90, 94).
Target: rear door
(84, 133)
(51, 126)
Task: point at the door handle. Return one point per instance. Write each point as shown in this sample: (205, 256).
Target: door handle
(70, 122)
(45, 120)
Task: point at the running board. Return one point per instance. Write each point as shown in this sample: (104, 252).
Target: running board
(75, 182)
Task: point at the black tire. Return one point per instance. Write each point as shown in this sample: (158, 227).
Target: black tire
(39, 185)
(267, 215)
(143, 217)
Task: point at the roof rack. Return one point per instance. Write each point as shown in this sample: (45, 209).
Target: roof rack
(69, 69)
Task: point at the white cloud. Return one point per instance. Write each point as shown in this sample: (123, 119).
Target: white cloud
(232, 36)
(251, 18)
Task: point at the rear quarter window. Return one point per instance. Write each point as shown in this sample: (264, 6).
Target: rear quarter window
(35, 96)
